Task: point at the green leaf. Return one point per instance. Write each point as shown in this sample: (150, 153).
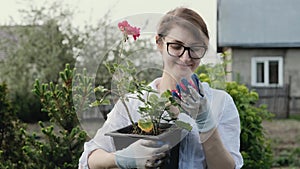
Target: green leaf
(153, 98)
(145, 125)
(101, 89)
(105, 102)
(100, 102)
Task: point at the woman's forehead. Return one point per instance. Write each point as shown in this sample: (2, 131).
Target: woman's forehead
(186, 36)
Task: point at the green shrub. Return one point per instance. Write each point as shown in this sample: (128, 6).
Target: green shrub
(60, 143)
(254, 146)
(11, 138)
(62, 140)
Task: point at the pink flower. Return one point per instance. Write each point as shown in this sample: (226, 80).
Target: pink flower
(127, 29)
(123, 25)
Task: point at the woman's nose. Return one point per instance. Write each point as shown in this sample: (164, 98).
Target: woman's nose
(185, 56)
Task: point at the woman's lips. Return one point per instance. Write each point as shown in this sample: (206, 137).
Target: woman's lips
(185, 65)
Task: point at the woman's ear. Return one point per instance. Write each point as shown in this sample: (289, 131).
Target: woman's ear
(158, 41)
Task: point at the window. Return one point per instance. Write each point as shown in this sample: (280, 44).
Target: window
(267, 71)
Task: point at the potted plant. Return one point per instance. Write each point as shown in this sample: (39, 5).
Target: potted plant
(157, 121)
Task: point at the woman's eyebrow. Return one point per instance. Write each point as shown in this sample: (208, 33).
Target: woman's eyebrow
(191, 44)
(177, 41)
(197, 44)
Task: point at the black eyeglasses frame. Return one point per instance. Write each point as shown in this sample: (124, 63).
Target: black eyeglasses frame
(185, 48)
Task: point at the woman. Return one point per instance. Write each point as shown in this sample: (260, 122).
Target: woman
(182, 39)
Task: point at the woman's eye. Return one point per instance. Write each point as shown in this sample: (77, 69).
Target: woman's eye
(176, 46)
(196, 49)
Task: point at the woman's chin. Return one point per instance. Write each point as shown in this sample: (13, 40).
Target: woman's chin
(184, 73)
(185, 69)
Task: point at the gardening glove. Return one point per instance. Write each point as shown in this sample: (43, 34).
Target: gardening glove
(190, 96)
(142, 154)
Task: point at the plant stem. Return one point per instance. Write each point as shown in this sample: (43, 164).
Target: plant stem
(121, 51)
(128, 113)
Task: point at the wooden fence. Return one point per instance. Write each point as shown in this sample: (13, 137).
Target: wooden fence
(278, 100)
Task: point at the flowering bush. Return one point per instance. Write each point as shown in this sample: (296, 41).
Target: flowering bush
(126, 86)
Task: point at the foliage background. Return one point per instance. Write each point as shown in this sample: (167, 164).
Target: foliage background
(39, 48)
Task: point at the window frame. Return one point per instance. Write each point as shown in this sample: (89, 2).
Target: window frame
(265, 60)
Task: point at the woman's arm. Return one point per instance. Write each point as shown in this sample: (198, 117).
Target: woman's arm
(100, 159)
(217, 157)
(222, 144)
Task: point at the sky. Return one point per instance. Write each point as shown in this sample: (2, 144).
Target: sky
(89, 11)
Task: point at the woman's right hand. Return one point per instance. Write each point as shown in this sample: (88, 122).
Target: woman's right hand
(142, 154)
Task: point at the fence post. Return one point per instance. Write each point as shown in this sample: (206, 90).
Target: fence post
(288, 96)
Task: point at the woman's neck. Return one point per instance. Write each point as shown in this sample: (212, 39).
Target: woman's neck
(167, 82)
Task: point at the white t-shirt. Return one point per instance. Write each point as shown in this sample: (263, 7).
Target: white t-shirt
(191, 153)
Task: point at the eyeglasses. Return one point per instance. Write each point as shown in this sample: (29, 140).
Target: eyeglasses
(177, 50)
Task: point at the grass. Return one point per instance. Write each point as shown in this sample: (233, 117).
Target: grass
(285, 141)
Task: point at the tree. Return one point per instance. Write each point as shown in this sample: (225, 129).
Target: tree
(39, 49)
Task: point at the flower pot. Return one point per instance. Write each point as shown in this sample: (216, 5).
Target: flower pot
(171, 135)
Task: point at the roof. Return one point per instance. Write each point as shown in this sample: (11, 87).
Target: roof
(258, 23)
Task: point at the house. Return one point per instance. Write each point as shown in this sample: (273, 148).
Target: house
(263, 37)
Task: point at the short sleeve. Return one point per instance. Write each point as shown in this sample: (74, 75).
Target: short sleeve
(229, 130)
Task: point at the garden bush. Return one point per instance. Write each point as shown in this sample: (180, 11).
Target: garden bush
(11, 137)
(62, 140)
(255, 147)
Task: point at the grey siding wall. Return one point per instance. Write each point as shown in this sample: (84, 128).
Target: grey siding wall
(241, 71)
(241, 65)
(241, 61)
(292, 68)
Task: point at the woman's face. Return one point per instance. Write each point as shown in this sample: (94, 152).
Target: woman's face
(184, 65)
